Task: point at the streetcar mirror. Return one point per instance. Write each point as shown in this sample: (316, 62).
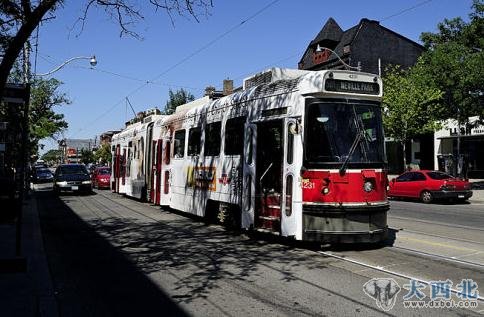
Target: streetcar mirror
(322, 119)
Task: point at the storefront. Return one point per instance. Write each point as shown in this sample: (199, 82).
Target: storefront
(468, 158)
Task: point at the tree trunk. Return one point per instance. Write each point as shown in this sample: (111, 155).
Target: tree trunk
(16, 45)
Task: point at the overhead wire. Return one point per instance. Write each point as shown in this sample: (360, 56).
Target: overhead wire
(204, 47)
(53, 61)
(183, 60)
(405, 10)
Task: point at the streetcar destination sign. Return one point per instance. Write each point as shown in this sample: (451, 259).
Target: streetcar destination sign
(352, 86)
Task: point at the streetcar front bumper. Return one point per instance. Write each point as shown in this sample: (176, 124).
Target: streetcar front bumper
(350, 223)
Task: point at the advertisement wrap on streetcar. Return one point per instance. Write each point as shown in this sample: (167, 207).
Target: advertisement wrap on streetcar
(292, 152)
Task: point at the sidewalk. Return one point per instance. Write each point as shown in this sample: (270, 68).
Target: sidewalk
(25, 292)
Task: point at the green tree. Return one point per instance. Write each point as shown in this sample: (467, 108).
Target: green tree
(103, 154)
(411, 105)
(44, 121)
(87, 156)
(18, 19)
(52, 156)
(454, 62)
(176, 99)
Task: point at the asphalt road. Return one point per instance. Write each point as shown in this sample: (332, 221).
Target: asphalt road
(461, 214)
(113, 256)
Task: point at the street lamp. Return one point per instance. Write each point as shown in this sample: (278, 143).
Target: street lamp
(92, 60)
(320, 48)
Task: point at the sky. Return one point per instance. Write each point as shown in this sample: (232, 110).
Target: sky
(236, 39)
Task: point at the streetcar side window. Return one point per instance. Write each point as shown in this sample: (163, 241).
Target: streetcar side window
(212, 139)
(234, 136)
(167, 152)
(179, 145)
(194, 137)
(248, 157)
(128, 161)
(290, 145)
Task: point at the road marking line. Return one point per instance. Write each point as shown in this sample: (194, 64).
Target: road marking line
(434, 235)
(382, 267)
(436, 223)
(470, 254)
(438, 244)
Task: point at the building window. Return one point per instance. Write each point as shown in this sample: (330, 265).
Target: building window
(234, 136)
(194, 136)
(212, 139)
(179, 145)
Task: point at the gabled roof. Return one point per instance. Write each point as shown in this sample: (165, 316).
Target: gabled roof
(330, 31)
(79, 143)
(333, 37)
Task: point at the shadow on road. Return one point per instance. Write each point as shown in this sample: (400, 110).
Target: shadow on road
(100, 265)
(91, 277)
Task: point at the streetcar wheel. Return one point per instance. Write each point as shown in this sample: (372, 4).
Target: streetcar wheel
(426, 197)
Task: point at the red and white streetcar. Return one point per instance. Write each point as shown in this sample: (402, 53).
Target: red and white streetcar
(297, 153)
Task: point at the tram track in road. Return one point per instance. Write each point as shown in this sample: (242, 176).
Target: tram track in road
(407, 250)
(437, 223)
(437, 235)
(249, 289)
(127, 206)
(384, 270)
(441, 257)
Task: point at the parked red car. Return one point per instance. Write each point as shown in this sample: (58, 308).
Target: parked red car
(101, 177)
(429, 186)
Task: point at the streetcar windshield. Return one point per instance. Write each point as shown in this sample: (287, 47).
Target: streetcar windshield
(340, 132)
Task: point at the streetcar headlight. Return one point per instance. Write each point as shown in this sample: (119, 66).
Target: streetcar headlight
(368, 186)
(325, 190)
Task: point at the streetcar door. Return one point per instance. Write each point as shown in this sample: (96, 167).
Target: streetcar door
(117, 167)
(153, 171)
(159, 157)
(149, 157)
(249, 175)
(291, 162)
(269, 175)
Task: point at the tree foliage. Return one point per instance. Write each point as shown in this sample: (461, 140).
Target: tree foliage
(176, 99)
(52, 156)
(44, 121)
(87, 156)
(18, 19)
(103, 155)
(454, 62)
(411, 105)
